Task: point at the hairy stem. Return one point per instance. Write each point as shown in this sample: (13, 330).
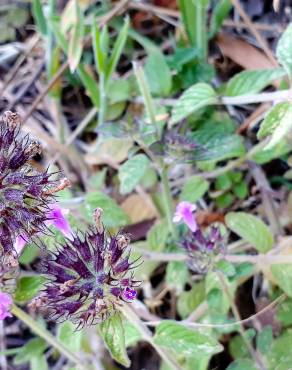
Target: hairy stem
(47, 336)
(167, 201)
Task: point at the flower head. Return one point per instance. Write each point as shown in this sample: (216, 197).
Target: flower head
(88, 276)
(202, 246)
(184, 213)
(5, 303)
(24, 192)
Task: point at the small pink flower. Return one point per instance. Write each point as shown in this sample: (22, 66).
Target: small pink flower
(56, 217)
(19, 244)
(129, 294)
(184, 213)
(5, 303)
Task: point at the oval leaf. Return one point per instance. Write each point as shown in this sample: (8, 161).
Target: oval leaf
(185, 341)
(251, 229)
(251, 82)
(282, 273)
(194, 98)
(113, 334)
(283, 51)
(278, 122)
(132, 171)
(194, 188)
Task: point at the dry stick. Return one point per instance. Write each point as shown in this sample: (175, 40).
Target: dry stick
(257, 358)
(249, 319)
(255, 32)
(18, 63)
(120, 7)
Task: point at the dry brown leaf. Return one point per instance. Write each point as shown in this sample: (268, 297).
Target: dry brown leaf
(111, 152)
(242, 53)
(138, 209)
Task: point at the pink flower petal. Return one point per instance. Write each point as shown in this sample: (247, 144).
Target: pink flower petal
(56, 217)
(184, 212)
(5, 302)
(19, 244)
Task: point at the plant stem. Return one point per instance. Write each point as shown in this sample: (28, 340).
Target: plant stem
(201, 30)
(146, 334)
(103, 94)
(256, 357)
(46, 335)
(167, 200)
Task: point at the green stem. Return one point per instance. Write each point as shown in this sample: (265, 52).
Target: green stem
(146, 334)
(47, 336)
(201, 30)
(254, 355)
(103, 95)
(167, 200)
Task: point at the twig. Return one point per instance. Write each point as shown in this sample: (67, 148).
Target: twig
(13, 71)
(255, 32)
(188, 324)
(118, 8)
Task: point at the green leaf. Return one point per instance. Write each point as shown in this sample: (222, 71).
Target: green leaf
(158, 74)
(132, 171)
(38, 362)
(99, 53)
(188, 12)
(242, 364)
(264, 340)
(185, 341)
(241, 190)
(252, 82)
(113, 215)
(157, 236)
(220, 12)
(251, 229)
(113, 334)
(132, 335)
(194, 189)
(283, 51)
(190, 300)
(117, 50)
(237, 346)
(28, 287)
(68, 335)
(284, 312)
(33, 348)
(278, 123)
(90, 85)
(177, 275)
(75, 46)
(120, 91)
(40, 20)
(280, 356)
(282, 273)
(218, 300)
(194, 98)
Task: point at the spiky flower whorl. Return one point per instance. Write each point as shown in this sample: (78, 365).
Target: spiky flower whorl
(24, 192)
(88, 277)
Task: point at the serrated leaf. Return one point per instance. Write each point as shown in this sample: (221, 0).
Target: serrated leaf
(278, 123)
(113, 215)
(194, 98)
(132, 171)
(75, 46)
(113, 334)
(158, 74)
(185, 341)
(283, 50)
(194, 189)
(27, 287)
(251, 229)
(251, 82)
(282, 273)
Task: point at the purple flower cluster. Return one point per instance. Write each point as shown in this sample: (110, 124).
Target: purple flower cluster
(24, 192)
(200, 245)
(88, 277)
